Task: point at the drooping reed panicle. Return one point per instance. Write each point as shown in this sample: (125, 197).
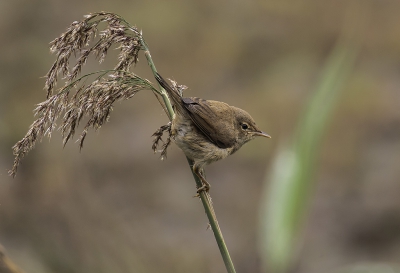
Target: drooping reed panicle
(94, 100)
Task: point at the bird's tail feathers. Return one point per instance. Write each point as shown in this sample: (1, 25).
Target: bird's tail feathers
(172, 92)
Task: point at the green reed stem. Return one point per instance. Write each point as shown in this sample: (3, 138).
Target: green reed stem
(204, 196)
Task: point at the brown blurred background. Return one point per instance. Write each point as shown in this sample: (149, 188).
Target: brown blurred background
(115, 207)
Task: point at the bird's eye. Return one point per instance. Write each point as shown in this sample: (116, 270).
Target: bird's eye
(245, 126)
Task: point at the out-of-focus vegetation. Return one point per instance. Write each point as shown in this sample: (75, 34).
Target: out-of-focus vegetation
(6, 265)
(115, 207)
(290, 180)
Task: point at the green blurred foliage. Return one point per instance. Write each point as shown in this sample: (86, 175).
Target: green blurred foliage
(115, 207)
(290, 181)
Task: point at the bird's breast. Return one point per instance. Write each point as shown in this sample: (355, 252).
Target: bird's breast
(194, 144)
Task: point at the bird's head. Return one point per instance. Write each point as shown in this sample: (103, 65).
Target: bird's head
(246, 127)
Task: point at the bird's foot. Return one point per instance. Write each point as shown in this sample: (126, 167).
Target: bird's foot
(203, 188)
(200, 174)
(206, 187)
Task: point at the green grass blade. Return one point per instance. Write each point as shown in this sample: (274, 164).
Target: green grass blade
(290, 181)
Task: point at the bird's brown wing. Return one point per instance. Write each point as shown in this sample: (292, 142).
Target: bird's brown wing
(207, 118)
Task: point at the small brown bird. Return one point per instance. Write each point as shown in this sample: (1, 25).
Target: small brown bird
(206, 130)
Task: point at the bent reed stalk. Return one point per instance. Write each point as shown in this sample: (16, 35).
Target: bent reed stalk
(95, 100)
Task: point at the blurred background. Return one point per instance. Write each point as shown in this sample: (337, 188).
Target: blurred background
(116, 207)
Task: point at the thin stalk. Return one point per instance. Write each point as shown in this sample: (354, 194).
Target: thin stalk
(167, 104)
(204, 196)
(212, 217)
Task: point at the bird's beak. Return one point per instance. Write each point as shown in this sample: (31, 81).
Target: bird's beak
(260, 133)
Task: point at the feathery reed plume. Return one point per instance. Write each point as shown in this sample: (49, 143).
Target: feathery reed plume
(158, 137)
(76, 41)
(94, 100)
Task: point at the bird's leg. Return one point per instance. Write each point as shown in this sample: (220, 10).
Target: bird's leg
(199, 172)
(158, 136)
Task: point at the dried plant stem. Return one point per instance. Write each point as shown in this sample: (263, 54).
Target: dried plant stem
(204, 196)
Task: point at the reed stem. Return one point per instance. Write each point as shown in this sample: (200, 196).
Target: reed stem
(204, 196)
